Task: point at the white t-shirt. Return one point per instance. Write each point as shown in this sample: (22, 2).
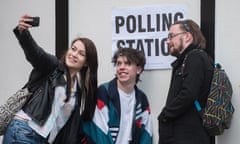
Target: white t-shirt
(127, 103)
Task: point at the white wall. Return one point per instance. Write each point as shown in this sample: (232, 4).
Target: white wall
(92, 18)
(14, 68)
(227, 52)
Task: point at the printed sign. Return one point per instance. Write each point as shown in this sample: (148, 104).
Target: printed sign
(146, 29)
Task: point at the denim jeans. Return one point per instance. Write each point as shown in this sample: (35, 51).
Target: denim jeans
(18, 132)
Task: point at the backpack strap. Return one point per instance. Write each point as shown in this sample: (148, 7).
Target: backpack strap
(196, 102)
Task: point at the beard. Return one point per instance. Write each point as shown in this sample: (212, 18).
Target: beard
(176, 50)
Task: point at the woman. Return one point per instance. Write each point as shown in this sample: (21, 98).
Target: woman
(64, 92)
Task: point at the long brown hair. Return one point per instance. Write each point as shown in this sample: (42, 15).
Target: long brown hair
(88, 79)
(193, 28)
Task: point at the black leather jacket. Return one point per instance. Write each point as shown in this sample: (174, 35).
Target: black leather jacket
(47, 73)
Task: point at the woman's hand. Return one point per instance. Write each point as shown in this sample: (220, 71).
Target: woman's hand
(22, 24)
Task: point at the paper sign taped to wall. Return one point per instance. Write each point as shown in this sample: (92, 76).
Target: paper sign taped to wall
(146, 29)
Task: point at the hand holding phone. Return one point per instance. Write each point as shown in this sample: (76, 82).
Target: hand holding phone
(35, 21)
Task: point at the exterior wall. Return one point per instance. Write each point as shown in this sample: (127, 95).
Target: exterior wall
(94, 21)
(14, 67)
(227, 53)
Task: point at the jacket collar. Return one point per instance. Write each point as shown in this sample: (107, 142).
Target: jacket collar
(57, 77)
(114, 95)
(181, 56)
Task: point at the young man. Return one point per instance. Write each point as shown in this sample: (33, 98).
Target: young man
(122, 114)
(179, 121)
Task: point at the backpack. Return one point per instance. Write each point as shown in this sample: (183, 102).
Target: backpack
(218, 111)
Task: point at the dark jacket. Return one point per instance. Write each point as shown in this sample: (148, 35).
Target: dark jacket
(48, 72)
(108, 113)
(179, 121)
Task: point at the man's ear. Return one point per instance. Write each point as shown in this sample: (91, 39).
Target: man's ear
(189, 37)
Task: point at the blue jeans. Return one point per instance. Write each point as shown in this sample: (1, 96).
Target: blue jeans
(18, 132)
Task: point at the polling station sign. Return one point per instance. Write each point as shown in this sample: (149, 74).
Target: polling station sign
(146, 29)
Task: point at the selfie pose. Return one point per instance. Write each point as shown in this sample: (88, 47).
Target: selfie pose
(63, 92)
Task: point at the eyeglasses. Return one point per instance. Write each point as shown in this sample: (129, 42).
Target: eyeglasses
(172, 35)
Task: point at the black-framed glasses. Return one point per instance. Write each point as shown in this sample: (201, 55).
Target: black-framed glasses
(172, 35)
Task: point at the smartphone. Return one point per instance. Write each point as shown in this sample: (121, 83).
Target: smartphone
(35, 22)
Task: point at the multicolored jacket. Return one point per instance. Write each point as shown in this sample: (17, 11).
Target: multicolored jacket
(105, 125)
